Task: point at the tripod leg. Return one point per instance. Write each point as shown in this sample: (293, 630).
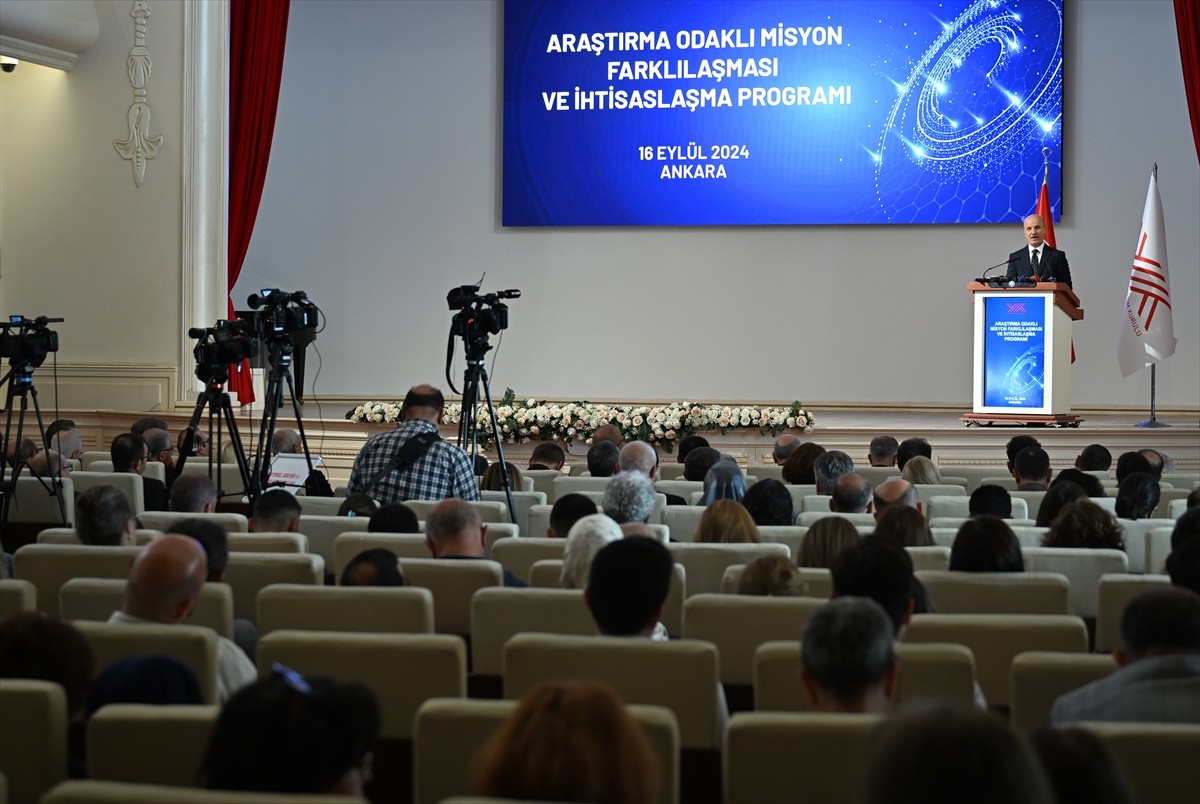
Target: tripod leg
(266, 433)
(287, 375)
(487, 393)
(56, 484)
(235, 438)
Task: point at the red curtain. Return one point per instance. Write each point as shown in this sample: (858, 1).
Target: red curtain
(257, 35)
(1187, 25)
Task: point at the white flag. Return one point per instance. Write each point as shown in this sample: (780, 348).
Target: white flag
(1147, 332)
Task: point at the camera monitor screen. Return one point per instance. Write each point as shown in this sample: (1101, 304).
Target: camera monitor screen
(744, 112)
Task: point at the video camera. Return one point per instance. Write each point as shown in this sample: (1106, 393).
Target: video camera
(478, 315)
(28, 340)
(285, 313)
(230, 341)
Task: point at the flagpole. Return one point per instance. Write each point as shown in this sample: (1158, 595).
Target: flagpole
(1153, 420)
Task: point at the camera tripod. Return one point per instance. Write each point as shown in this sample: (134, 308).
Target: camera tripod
(474, 378)
(20, 384)
(216, 399)
(279, 352)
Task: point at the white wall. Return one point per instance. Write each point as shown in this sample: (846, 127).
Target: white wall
(383, 193)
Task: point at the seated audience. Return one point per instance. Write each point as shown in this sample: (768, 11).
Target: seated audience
(547, 455)
(1060, 495)
(610, 433)
(1193, 498)
(67, 443)
(57, 426)
(288, 442)
(289, 734)
(129, 454)
(1014, 447)
(104, 515)
(161, 450)
(800, 467)
(830, 466)
(480, 464)
(783, 448)
(911, 448)
(1158, 675)
(895, 491)
(454, 531)
(689, 443)
(921, 470)
(568, 741)
(566, 511)
(1186, 527)
(726, 522)
(989, 500)
(48, 463)
(641, 457)
(769, 503)
(935, 753)
(771, 576)
(1031, 469)
(1084, 524)
(698, 462)
(824, 539)
(1131, 462)
(363, 505)
(1156, 460)
(986, 544)
(851, 494)
(193, 493)
(723, 481)
(40, 648)
(586, 537)
(847, 657)
(1094, 458)
(627, 587)
(882, 451)
(377, 567)
(1137, 496)
(1183, 565)
(905, 526)
(275, 511)
(146, 678)
(1079, 767)
(602, 459)
(147, 423)
(1090, 484)
(629, 497)
(493, 480)
(881, 570)
(200, 443)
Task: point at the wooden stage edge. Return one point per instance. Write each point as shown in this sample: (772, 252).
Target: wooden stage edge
(843, 426)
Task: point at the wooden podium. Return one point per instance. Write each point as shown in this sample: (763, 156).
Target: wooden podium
(1022, 350)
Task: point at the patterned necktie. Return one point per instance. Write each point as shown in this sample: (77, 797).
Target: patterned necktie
(1034, 262)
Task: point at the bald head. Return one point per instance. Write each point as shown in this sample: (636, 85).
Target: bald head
(785, 445)
(423, 402)
(896, 492)
(638, 456)
(165, 579)
(851, 494)
(453, 528)
(608, 432)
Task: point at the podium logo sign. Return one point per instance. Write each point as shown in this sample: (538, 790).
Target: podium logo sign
(1014, 354)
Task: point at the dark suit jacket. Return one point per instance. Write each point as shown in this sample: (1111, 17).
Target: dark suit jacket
(1053, 263)
(154, 493)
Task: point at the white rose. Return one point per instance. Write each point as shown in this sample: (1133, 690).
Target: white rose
(637, 420)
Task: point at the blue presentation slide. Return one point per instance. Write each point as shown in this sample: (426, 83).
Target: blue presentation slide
(1014, 352)
(745, 112)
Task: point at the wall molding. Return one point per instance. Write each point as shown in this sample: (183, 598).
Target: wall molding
(106, 386)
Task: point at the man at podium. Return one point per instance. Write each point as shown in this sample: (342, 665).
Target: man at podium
(1037, 258)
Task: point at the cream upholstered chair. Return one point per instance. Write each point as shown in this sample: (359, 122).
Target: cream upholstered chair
(1175, 508)
(1159, 759)
(498, 613)
(89, 457)
(154, 469)
(877, 474)
(453, 583)
(227, 477)
(931, 557)
(451, 732)
(1158, 547)
(129, 483)
(32, 503)
(570, 485)
(738, 624)
(33, 737)
(944, 672)
(49, 566)
(765, 471)
(791, 535)
(761, 750)
(1113, 593)
(1028, 535)
(1134, 532)
(974, 475)
(706, 563)
(495, 532)
(15, 596)
(927, 491)
(546, 573)
(815, 503)
(809, 518)
(523, 501)
(100, 792)
(490, 511)
(403, 670)
(683, 520)
(799, 492)
(319, 506)
(519, 555)
(959, 507)
(322, 531)
(248, 573)
(267, 542)
(682, 675)
(1083, 569)
(162, 520)
(345, 609)
(149, 744)
(543, 480)
(349, 545)
(995, 639)
(95, 599)
(193, 645)
(997, 479)
(1182, 480)
(1039, 677)
(682, 488)
(996, 592)
(814, 581)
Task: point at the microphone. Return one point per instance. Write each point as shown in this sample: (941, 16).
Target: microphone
(1006, 263)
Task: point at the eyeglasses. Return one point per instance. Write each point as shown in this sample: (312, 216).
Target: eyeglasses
(293, 679)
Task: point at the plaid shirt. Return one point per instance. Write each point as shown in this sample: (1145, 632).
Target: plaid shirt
(443, 471)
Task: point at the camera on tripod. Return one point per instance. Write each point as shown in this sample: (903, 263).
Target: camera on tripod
(478, 315)
(27, 340)
(285, 313)
(230, 341)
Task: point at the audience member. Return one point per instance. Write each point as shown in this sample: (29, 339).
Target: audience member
(698, 462)
(492, 480)
(40, 648)
(57, 426)
(161, 450)
(358, 505)
(783, 448)
(724, 481)
(989, 500)
(67, 442)
(147, 423)
(1014, 446)
(726, 522)
(481, 465)
(586, 537)
(394, 518)
(638, 456)
(412, 462)
(48, 463)
(847, 657)
(1079, 767)
(934, 753)
(1186, 527)
(1137, 496)
(1057, 497)
(194, 493)
(1090, 484)
(905, 526)
(145, 678)
(104, 516)
(547, 455)
(1084, 524)
(882, 451)
(986, 544)
(769, 503)
(214, 541)
(1156, 460)
(275, 511)
(376, 567)
(771, 576)
(453, 531)
(608, 432)
(1131, 462)
(289, 442)
(895, 491)
(1183, 565)
(920, 470)
(129, 454)
(882, 571)
(830, 466)
(200, 443)
(629, 497)
(851, 494)
(627, 586)
(602, 458)
(289, 734)
(1158, 666)
(1193, 498)
(800, 467)
(1094, 458)
(1031, 469)
(825, 539)
(910, 448)
(570, 740)
(164, 585)
(689, 443)
(566, 511)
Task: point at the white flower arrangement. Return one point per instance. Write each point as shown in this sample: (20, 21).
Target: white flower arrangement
(520, 422)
